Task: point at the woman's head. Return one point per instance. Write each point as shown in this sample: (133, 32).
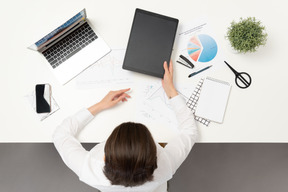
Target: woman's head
(130, 155)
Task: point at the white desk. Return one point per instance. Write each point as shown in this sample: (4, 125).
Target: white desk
(258, 114)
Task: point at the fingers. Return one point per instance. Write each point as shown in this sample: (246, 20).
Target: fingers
(116, 94)
(166, 67)
(125, 95)
(124, 90)
(122, 98)
(171, 67)
(168, 70)
(120, 91)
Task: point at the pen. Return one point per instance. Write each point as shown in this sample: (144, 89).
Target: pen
(195, 73)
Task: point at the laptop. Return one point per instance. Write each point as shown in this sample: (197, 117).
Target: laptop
(71, 48)
(150, 43)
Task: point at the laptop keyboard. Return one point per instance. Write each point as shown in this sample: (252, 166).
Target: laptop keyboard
(70, 45)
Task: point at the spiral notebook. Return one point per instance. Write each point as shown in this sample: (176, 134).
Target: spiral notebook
(213, 99)
(193, 100)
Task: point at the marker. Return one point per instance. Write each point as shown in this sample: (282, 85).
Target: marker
(195, 73)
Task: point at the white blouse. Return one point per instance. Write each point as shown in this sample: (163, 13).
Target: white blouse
(88, 165)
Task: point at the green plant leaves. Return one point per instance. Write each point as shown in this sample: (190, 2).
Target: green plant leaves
(246, 35)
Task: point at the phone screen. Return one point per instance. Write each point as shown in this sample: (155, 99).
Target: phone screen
(43, 98)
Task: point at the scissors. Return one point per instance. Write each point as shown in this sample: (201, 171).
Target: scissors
(243, 80)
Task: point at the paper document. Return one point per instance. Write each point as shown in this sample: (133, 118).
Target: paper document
(153, 105)
(31, 99)
(213, 99)
(107, 72)
(197, 42)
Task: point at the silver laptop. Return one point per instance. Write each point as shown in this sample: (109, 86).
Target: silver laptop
(71, 48)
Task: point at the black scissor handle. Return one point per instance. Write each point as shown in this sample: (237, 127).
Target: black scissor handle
(244, 78)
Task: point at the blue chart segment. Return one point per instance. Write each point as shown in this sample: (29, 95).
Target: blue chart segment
(202, 48)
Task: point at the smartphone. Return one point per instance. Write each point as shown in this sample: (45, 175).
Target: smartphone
(43, 98)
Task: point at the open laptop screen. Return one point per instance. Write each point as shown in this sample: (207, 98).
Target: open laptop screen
(59, 31)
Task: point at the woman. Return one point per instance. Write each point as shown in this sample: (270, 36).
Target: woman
(129, 160)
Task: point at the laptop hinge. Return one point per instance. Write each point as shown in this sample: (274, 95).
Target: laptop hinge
(63, 35)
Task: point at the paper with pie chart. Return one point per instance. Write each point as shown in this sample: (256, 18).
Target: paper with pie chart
(197, 42)
(202, 48)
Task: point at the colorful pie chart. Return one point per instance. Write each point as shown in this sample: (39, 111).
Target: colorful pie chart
(202, 48)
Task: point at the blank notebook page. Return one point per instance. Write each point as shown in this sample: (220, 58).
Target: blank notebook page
(213, 99)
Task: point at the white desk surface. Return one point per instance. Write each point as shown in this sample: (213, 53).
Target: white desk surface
(257, 114)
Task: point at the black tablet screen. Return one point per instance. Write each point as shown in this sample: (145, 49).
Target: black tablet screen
(150, 43)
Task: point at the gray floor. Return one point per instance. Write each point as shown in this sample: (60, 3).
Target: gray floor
(233, 168)
(209, 167)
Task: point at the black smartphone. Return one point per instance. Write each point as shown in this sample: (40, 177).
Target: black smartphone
(43, 98)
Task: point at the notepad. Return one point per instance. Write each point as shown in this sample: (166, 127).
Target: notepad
(193, 100)
(213, 99)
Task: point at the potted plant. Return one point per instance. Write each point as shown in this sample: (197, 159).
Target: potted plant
(246, 35)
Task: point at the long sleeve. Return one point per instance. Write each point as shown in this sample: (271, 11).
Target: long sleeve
(179, 147)
(69, 148)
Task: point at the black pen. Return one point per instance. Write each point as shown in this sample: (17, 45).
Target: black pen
(195, 73)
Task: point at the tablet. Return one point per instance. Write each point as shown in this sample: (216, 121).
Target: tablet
(150, 43)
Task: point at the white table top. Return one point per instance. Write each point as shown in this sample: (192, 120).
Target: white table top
(257, 114)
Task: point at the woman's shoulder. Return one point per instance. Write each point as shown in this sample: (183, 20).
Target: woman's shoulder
(92, 169)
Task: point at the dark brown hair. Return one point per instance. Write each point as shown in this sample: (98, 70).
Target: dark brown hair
(130, 155)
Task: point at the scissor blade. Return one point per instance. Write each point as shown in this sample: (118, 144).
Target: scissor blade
(234, 71)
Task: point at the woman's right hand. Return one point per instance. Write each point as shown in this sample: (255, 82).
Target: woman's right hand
(167, 81)
(110, 100)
